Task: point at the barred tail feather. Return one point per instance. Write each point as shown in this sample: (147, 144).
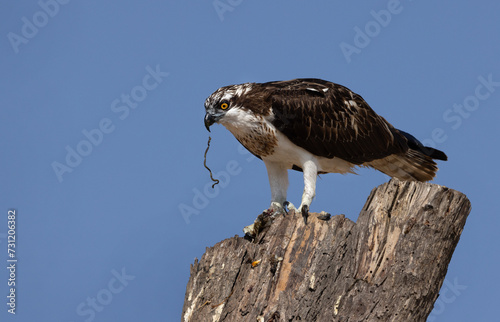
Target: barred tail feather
(412, 166)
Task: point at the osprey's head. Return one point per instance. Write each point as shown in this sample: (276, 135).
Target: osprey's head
(222, 101)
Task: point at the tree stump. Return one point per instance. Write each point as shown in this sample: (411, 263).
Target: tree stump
(388, 266)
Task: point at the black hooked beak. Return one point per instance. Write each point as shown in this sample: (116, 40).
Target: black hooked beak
(209, 120)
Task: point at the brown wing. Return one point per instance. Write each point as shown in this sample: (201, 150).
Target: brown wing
(330, 121)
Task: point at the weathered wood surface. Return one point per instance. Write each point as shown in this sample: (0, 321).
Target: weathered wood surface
(388, 266)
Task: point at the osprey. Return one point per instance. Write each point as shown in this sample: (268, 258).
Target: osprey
(316, 127)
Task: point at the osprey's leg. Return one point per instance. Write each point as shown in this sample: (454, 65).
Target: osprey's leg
(278, 180)
(310, 170)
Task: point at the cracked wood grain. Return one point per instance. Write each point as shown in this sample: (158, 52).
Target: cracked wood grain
(388, 266)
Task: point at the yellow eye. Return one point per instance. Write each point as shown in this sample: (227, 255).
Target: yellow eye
(224, 105)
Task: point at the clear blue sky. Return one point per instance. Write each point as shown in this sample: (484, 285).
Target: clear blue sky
(102, 136)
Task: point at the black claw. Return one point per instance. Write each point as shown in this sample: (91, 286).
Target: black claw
(285, 206)
(305, 213)
(324, 216)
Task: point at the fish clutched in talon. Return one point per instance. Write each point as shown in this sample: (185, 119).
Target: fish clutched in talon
(205, 163)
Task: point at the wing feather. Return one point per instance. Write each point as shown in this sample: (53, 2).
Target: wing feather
(330, 121)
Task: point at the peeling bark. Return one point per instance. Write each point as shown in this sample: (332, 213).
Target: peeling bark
(388, 266)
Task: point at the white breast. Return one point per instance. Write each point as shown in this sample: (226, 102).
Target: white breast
(261, 138)
(289, 153)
